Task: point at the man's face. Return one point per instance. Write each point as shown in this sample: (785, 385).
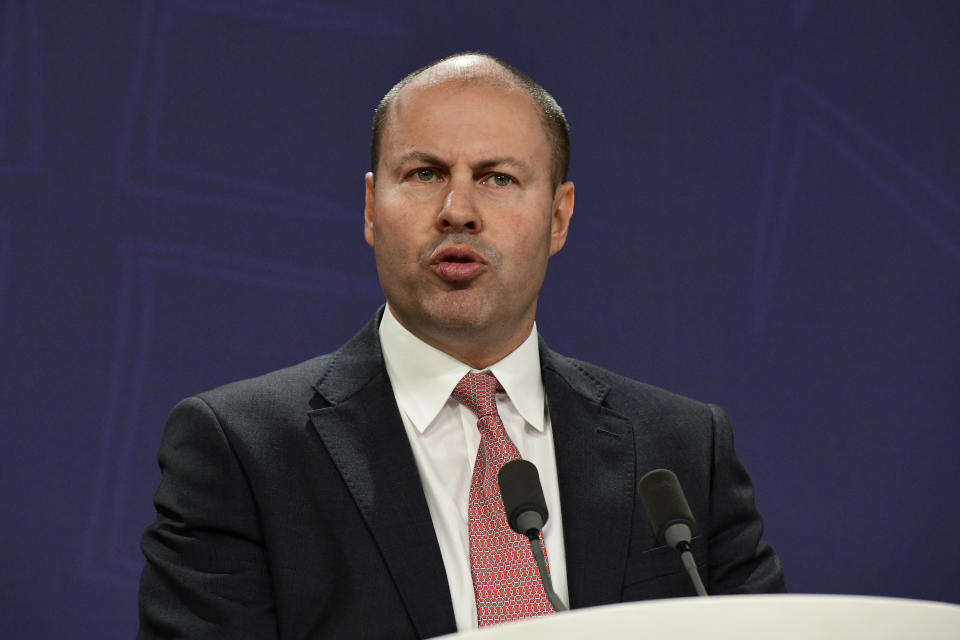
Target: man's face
(462, 215)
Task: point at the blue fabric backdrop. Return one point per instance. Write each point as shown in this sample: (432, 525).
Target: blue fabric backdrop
(767, 218)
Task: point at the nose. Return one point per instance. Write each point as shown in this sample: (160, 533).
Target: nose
(459, 213)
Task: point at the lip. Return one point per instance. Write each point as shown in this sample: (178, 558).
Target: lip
(458, 264)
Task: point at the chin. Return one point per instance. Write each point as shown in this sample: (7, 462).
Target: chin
(458, 311)
(451, 320)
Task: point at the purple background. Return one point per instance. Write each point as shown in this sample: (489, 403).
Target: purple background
(767, 218)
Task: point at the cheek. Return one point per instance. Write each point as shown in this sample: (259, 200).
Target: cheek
(398, 242)
(527, 252)
(419, 193)
(403, 216)
(413, 196)
(533, 237)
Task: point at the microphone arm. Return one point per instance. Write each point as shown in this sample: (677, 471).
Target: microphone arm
(681, 534)
(537, 547)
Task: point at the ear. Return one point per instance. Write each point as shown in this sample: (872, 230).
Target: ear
(560, 220)
(368, 208)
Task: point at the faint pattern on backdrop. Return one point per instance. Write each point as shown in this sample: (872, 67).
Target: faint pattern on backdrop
(180, 143)
(801, 113)
(20, 101)
(767, 219)
(5, 257)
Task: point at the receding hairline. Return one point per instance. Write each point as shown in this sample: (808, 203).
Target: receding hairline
(464, 68)
(473, 67)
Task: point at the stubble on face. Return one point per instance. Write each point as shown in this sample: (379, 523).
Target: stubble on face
(467, 305)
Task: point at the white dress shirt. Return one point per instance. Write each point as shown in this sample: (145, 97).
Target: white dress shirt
(444, 437)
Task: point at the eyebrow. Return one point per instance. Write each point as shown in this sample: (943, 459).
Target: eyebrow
(505, 161)
(420, 157)
(430, 159)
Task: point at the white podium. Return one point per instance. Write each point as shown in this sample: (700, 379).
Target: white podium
(767, 617)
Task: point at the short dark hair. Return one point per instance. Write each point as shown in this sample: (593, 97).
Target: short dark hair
(555, 124)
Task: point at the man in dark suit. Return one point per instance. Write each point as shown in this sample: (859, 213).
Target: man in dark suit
(330, 499)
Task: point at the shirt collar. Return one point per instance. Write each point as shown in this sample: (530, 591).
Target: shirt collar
(423, 377)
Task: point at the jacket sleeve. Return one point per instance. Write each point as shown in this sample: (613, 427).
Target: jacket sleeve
(206, 573)
(740, 561)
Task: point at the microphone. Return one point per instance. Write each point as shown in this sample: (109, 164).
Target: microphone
(526, 511)
(523, 499)
(671, 517)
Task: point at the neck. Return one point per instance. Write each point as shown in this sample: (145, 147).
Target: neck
(477, 356)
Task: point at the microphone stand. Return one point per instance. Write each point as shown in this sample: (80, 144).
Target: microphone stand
(537, 547)
(691, 566)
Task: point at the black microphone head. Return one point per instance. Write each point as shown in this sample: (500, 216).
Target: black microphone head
(664, 501)
(523, 500)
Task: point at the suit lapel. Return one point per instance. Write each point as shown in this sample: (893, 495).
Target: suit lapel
(364, 434)
(595, 465)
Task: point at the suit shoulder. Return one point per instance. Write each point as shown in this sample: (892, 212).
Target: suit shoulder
(626, 395)
(267, 397)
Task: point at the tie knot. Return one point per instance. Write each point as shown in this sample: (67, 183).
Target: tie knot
(478, 392)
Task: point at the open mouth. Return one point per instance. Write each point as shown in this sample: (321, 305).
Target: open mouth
(458, 264)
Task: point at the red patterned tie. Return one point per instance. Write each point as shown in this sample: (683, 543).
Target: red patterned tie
(505, 578)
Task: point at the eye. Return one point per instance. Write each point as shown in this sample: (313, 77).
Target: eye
(425, 175)
(501, 180)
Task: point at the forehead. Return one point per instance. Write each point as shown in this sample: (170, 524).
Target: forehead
(461, 116)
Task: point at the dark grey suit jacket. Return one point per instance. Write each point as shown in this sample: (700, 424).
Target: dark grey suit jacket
(290, 504)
